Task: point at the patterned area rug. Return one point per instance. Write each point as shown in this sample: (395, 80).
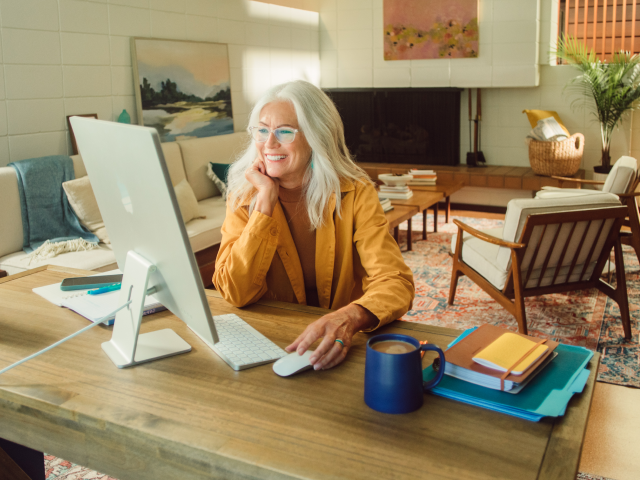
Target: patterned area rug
(586, 318)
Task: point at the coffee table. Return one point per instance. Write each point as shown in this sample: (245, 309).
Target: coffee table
(447, 188)
(399, 214)
(423, 200)
(191, 417)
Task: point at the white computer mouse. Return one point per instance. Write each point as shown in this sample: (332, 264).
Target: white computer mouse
(292, 364)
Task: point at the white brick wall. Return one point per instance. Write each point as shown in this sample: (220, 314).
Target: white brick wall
(64, 57)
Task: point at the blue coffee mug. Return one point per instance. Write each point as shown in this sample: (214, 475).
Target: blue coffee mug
(393, 382)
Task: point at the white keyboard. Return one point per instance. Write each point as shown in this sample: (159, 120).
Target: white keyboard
(241, 345)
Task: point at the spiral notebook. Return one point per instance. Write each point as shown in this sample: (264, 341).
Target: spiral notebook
(92, 307)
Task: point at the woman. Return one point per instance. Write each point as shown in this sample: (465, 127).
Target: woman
(304, 225)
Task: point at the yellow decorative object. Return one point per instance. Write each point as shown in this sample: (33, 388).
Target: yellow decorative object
(535, 115)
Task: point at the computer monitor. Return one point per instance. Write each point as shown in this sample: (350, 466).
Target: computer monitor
(133, 189)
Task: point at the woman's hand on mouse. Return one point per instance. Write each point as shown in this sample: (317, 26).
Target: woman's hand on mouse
(267, 187)
(339, 325)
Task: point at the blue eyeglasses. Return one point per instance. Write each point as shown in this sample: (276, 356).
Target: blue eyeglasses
(283, 134)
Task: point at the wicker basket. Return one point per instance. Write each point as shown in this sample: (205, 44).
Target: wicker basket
(557, 158)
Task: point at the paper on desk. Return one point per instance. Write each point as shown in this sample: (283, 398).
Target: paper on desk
(57, 296)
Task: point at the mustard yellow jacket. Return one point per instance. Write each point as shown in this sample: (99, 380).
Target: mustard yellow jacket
(357, 260)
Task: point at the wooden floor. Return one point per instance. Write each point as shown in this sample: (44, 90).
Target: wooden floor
(613, 433)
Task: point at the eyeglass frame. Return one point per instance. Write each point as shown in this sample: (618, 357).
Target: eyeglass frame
(294, 130)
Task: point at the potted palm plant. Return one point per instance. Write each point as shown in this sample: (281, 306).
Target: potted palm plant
(611, 88)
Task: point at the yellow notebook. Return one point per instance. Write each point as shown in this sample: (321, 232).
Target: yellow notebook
(507, 349)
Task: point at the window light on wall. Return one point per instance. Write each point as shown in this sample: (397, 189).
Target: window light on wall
(604, 25)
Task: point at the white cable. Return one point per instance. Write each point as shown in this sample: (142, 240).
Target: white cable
(102, 320)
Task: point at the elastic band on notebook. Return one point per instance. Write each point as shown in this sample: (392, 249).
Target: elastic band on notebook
(508, 372)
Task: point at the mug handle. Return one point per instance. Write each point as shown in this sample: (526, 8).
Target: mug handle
(429, 385)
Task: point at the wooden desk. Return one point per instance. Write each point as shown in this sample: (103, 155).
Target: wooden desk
(423, 201)
(399, 214)
(192, 417)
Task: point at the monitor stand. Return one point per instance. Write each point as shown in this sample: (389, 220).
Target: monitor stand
(127, 346)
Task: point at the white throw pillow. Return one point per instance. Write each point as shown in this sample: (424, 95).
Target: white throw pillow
(83, 201)
(187, 201)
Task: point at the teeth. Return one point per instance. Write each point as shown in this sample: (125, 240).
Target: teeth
(275, 158)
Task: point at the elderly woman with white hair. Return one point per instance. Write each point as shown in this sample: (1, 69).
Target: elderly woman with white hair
(304, 225)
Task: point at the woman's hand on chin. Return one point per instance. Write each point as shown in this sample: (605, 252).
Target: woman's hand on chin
(267, 187)
(339, 325)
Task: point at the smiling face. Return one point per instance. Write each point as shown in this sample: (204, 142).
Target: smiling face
(284, 161)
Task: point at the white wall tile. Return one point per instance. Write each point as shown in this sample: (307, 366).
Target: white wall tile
(32, 14)
(523, 31)
(240, 122)
(230, 31)
(557, 75)
(102, 106)
(256, 57)
(281, 75)
(4, 152)
(360, 58)
(279, 58)
(120, 50)
(279, 16)
(236, 80)
(85, 49)
(354, 4)
(329, 20)
(431, 77)
(315, 42)
(127, 103)
(202, 7)
(355, 39)
(168, 25)
(236, 55)
(122, 82)
(355, 19)
(301, 39)
(329, 78)
(256, 83)
(521, 76)
(328, 40)
(87, 81)
(238, 103)
(328, 5)
(470, 76)
(485, 11)
(257, 34)
(131, 3)
(257, 12)
(33, 81)
(279, 37)
(391, 78)
(304, 18)
(37, 145)
(380, 62)
(35, 116)
(515, 10)
(203, 29)
(31, 46)
(355, 78)
(131, 22)
(83, 17)
(515, 54)
(329, 59)
(3, 119)
(232, 10)
(177, 6)
(2, 94)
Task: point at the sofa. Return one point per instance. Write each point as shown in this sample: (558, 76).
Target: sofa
(186, 159)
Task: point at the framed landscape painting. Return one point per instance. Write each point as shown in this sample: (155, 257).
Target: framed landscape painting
(420, 29)
(183, 88)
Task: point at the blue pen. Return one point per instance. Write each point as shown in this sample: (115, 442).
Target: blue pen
(108, 288)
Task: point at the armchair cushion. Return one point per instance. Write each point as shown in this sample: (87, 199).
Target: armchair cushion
(481, 256)
(621, 175)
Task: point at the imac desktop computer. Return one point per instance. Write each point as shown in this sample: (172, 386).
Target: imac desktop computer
(135, 195)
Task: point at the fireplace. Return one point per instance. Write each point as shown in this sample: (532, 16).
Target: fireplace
(401, 125)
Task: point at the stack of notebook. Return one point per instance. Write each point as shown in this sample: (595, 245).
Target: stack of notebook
(386, 204)
(423, 177)
(512, 373)
(397, 192)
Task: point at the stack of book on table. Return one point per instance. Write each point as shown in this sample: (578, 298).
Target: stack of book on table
(398, 192)
(512, 373)
(386, 204)
(423, 177)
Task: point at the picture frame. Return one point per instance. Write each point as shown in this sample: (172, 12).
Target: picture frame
(182, 87)
(74, 145)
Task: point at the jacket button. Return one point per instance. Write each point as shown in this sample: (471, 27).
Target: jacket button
(274, 231)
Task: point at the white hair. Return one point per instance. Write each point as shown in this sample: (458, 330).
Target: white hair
(330, 163)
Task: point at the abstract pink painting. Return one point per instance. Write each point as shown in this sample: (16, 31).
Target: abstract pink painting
(417, 29)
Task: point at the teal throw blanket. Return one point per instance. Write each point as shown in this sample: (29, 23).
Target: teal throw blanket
(46, 213)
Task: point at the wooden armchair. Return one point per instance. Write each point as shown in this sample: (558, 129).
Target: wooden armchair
(623, 180)
(561, 246)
